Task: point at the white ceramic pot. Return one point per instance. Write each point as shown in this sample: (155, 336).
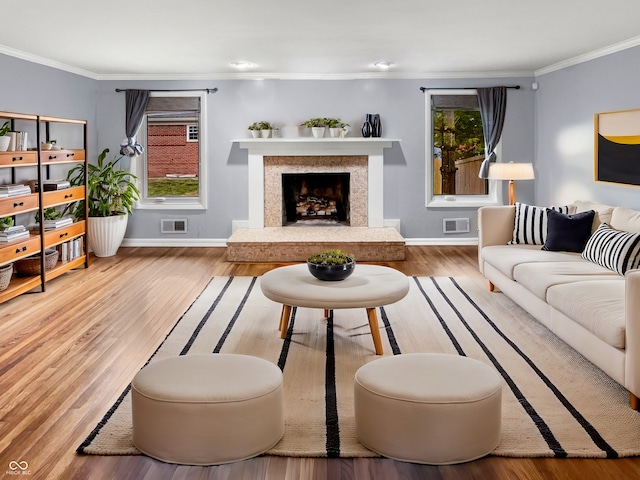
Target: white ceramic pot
(5, 140)
(266, 133)
(335, 132)
(256, 133)
(318, 132)
(106, 234)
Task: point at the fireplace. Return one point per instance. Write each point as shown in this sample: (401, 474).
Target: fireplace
(362, 158)
(315, 199)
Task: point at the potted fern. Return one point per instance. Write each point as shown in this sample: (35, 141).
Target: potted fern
(111, 195)
(331, 265)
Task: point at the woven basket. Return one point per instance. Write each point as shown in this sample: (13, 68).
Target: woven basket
(5, 276)
(30, 266)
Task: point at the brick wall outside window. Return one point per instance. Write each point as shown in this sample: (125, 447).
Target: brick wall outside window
(168, 151)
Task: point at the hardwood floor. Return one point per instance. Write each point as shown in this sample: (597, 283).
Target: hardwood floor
(67, 354)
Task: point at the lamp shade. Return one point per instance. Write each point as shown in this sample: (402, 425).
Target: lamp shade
(511, 171)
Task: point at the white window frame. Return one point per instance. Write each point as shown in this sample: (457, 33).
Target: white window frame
(177, 203)
(494, 197)
(188, 133)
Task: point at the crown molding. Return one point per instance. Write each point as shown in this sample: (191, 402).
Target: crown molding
(11, 52)
(601, 52)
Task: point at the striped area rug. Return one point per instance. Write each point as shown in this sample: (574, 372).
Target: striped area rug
(555, 403)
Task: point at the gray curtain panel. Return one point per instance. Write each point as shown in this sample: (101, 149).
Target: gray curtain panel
(136, 104)
(493, 106)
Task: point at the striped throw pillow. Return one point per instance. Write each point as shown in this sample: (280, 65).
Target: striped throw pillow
(613, 249)
(531, 223)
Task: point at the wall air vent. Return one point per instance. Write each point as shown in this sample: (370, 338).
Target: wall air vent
(455, 225)
(172, 225)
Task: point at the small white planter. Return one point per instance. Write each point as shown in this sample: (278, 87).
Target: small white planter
(106, 234)
(335, 132)
(256, 133)
(265, 133)
(5, 140)
(318, 132)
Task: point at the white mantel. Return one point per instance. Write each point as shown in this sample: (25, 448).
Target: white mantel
(307, 146)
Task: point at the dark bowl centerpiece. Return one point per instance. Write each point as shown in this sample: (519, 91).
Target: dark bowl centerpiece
(331, 265)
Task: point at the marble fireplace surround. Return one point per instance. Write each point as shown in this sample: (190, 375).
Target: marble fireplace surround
(362, 158)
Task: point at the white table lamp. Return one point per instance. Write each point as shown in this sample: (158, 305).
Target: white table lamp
(511, 171)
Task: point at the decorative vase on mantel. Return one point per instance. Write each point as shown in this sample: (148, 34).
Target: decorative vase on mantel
(372, 126)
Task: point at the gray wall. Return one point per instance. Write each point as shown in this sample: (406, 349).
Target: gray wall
(566, 103)
(238, 103)
(27, 87)
(32, 88)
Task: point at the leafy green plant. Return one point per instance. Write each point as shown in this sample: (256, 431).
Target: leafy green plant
(5, 129)
(331, 257)
(50, 213)
(316, 122)
(265, 126)
(6, 222)
(254, 126)
(110, 190)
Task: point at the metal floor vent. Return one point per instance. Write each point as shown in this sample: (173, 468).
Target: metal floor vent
(173, 225)
(455, 225)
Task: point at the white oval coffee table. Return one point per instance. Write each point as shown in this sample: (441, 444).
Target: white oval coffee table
(369, 287)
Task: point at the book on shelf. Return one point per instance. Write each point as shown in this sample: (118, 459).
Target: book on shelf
(15, 189)
(71, 250)
(52, 185)
(58, 222)
(13, 236)
(12, 229)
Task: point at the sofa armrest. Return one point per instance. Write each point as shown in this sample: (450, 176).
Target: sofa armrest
(632, 331)
(495, 227)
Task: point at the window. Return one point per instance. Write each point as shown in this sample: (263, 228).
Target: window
(192, 133)
(174, 173)
(455, 151)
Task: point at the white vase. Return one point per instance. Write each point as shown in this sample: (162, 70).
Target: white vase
(256, 133)
(335, 132)
(318, 132)
(5, 140)
(265, 133)
(106, 234)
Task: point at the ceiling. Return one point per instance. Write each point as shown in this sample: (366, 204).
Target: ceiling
(320, 39)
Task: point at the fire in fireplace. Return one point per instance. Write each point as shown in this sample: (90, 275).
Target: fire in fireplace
(315, 198)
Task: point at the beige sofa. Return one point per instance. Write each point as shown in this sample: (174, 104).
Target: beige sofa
(593, 309)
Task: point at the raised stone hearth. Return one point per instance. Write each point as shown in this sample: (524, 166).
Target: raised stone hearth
(294, 244)
(360, 232)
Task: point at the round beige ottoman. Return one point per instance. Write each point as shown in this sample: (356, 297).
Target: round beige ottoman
(207, 409)
(428, 408)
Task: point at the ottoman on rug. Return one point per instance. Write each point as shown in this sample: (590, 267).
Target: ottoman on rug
(428, 408)
(207, 409)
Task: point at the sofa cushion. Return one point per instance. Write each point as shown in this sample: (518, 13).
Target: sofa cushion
(505, 257)
(603, 212)
(538, 277)
(530, 226)
(614, 249)
(625, 219)
(596, 305)
(568, 233)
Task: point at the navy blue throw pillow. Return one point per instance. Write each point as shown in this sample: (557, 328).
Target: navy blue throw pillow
(568, 233)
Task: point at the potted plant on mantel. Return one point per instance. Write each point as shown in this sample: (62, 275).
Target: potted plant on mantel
(317, 126)
(331, 265)
(111, 195)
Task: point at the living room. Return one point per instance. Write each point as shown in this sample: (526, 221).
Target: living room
(549, 122)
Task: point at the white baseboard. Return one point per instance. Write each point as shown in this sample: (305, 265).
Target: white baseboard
(222, 242)
(440, 241)
(170, 242)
